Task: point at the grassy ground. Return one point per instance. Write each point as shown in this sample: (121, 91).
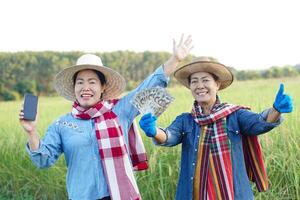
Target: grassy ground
(19, 179)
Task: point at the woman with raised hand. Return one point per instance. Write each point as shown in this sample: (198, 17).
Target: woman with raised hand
(220, 148)
(97, 135)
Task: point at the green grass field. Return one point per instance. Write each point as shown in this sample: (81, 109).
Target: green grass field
(20, 179)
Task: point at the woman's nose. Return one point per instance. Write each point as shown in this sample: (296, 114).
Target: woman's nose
(200, 85)
(85, 87)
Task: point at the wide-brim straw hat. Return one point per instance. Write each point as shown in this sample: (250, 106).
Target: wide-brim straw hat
(64, 85)
(204, 64)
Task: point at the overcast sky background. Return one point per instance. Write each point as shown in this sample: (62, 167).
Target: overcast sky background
(253, 34)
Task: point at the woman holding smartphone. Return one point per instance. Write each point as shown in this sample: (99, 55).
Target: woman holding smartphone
(95, 136)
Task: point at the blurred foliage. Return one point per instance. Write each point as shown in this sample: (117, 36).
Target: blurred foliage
(34, 72)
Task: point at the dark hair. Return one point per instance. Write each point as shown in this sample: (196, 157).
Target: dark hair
(215, 77)
(99, 74)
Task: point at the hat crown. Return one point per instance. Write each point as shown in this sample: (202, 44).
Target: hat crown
(89, 59)
(202, 59)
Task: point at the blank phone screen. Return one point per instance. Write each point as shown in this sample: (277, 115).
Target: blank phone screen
(30, 107)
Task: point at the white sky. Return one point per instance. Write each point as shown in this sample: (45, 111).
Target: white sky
(252, 34)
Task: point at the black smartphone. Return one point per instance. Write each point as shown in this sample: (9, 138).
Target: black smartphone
(30, 107)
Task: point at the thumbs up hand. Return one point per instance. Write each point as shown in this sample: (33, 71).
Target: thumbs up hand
(283, 102)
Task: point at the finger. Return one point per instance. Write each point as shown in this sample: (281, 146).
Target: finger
(281, 90)
(188, 41)
(181, 39)
(146, 116)
(188, 45)
(190, 48)
(148, 120)
(287, 110)
(289, 100)
(284, 99)
(174, 45)
(21, 116)
(286, 104)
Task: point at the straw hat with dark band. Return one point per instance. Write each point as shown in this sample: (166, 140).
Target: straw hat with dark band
(115, 83)
(204, 64)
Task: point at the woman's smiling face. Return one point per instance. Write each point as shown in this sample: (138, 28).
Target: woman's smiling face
(204, 88)
(88, 88)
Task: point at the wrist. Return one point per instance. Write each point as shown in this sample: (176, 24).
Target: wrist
(275, 108)
(32, 133)
(176, 58)
(151, 132)
(170, 66)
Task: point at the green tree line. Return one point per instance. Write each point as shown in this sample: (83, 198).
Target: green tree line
(33, 72)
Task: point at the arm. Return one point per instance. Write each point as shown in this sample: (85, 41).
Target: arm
(160, 136)
(273, 116)
(30, 129)
(159, 78)
(42, 153)
(169, 137)
(254, 124)
(49, 148)
(251, 123)
(283, 104)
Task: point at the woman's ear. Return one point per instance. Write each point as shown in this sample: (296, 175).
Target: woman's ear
(218, 83)
(103, 87)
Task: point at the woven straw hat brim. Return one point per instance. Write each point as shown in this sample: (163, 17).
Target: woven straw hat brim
(115, 83)
(221, 71)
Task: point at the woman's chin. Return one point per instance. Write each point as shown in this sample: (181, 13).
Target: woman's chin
(203, 100)
(87, 104)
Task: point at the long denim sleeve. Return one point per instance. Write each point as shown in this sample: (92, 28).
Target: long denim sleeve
(186, 131)
(76, 139)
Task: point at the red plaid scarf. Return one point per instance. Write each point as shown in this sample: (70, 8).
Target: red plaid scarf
(215, 179)
(112, 149)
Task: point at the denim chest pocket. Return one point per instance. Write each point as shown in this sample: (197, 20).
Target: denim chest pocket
(234, 134)
(189, 136)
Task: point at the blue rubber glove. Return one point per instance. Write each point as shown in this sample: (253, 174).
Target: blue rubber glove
(148, 124)
(283, 102)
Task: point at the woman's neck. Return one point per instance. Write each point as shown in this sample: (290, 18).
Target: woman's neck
(207, 107)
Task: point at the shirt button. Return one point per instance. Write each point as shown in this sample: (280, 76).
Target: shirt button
(193, 163)
(195, 149)
(236, 132)
(192, 178)
(198, 136)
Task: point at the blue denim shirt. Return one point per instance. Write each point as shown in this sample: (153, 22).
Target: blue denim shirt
(186, 131)
(77, 140)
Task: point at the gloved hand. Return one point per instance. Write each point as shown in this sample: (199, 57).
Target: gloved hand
(148, 124)
(283, 102)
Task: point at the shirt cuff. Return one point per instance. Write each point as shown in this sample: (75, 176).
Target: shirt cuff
(161, 144)
(35, 152)
(265, 114)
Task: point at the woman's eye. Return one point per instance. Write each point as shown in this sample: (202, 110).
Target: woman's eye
(79, 82)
